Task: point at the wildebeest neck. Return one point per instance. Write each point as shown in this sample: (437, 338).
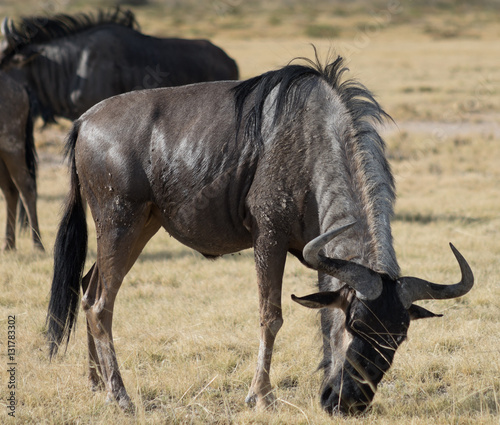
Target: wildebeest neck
(340, 149)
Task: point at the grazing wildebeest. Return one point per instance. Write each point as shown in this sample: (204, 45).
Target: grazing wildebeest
(70, 63)
(268, 163)
(17, 158)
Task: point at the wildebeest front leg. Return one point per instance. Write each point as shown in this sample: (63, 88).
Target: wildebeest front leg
(270, 260)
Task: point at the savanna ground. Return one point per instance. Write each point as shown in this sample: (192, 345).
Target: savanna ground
(186, 329)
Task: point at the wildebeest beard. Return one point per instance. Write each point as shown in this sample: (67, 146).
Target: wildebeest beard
(374, 330)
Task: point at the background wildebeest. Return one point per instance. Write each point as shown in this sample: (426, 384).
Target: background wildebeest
(70, 63)
(17, 158)
(282, 158)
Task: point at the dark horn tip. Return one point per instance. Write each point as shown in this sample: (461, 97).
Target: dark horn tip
(467, 274)
(458, 255)
(455, 250)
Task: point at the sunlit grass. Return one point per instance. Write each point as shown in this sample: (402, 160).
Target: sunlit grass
(186, 329)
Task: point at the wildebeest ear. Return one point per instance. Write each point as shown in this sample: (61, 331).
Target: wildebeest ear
(417, 312)
(321, 300)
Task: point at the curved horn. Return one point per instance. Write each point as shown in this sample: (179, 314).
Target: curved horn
(412, 289)
(366, 282)
(5, 28)
(312, 249)
(8, 30)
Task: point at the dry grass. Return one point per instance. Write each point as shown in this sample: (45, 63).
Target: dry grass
(186, 329)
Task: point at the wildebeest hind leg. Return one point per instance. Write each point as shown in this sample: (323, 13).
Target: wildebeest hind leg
(117, 249)
(11, 195)
(95, 372)
(26, 185)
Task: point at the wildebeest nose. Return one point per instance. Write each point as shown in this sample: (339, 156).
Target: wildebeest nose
(326, 401)
(334, 404)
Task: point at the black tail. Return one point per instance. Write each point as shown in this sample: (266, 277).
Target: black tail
(70, 251)
(31, 163)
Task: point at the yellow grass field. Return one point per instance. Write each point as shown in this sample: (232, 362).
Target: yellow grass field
(186, 329)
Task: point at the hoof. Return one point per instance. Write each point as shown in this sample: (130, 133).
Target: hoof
(96, 385)
(8, 246)
(127, 406)
(251, 400)
(124, 403)
(261, 403)
(39, 247)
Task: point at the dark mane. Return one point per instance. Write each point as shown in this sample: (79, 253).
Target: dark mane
(288, 79)
(40, 29)
(294, 84)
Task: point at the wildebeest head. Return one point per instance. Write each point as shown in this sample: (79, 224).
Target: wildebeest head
(7, 49)
(21, 43)
(16, 49)
(365, 321)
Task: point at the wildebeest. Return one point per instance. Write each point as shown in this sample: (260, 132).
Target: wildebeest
(70, 63)
(17, 158)
(269, 163)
